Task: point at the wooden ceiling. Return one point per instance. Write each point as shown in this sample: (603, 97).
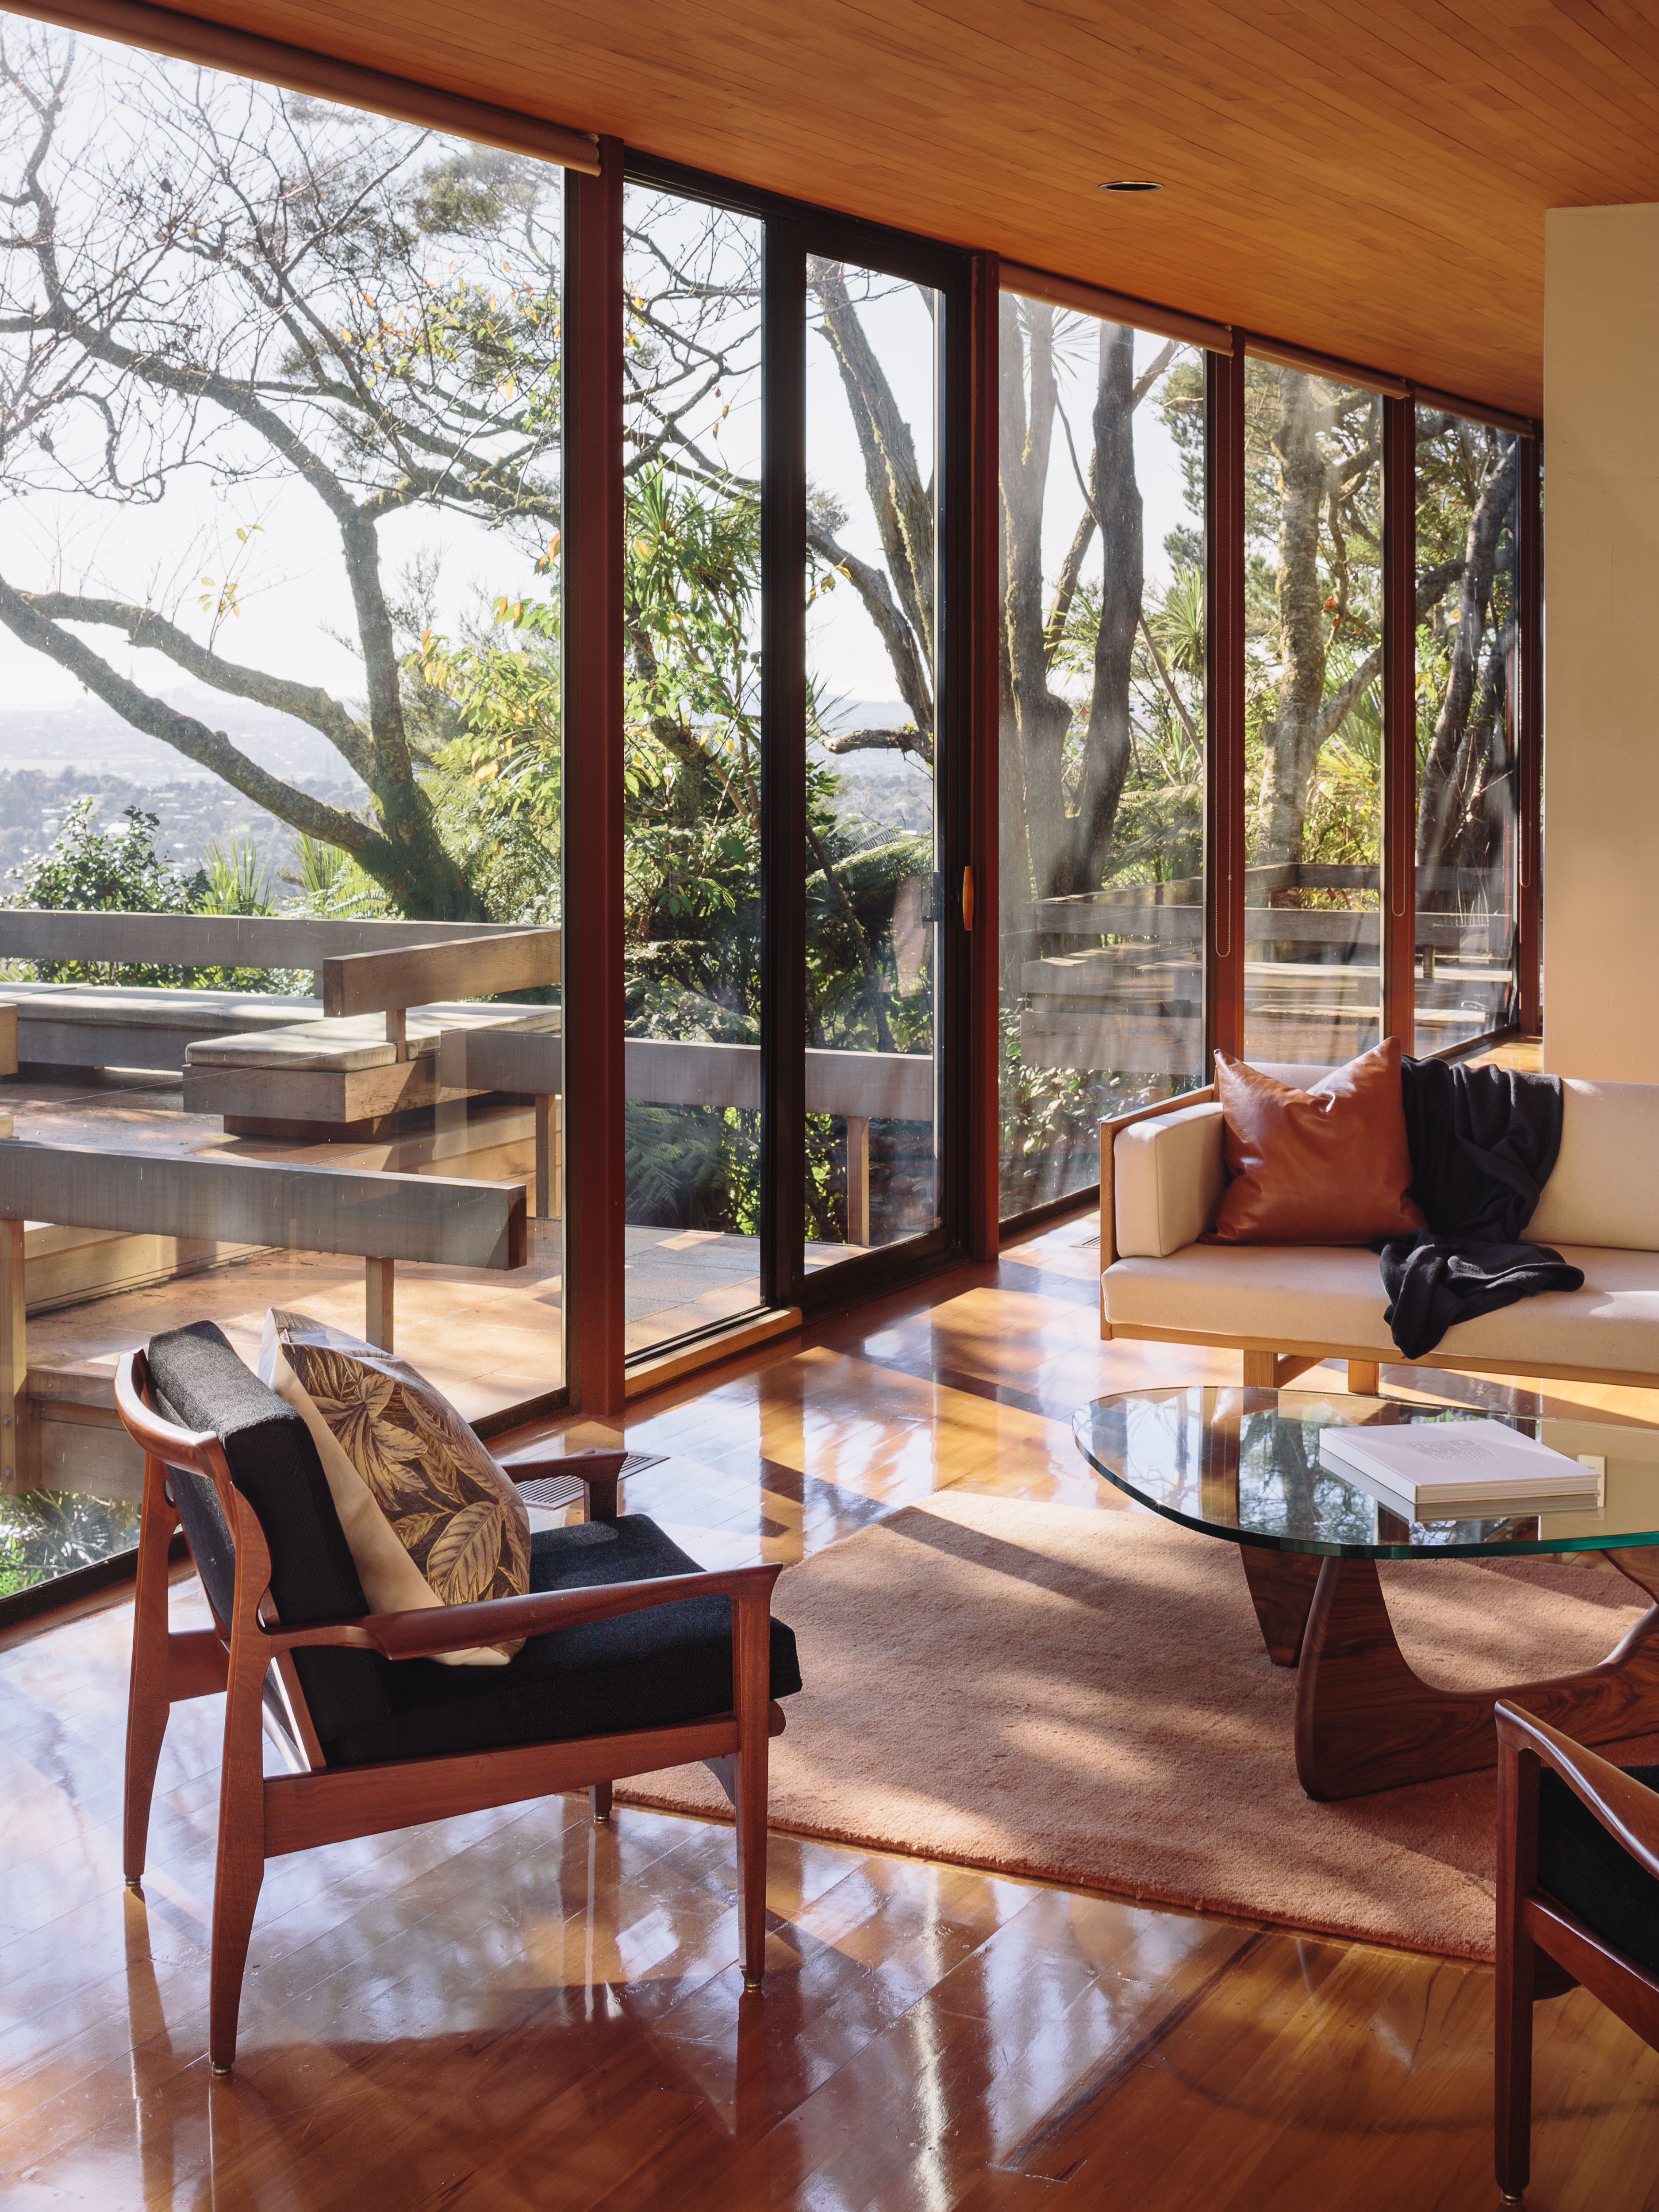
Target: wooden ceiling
(1365, 177)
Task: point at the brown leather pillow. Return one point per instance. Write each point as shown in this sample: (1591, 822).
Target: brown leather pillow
(1326, 1166)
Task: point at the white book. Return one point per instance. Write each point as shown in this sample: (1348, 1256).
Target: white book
(1445, 1465)
(1491, 1506)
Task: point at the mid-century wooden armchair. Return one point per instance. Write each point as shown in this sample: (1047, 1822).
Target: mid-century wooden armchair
(1577, 1902)
(636, 1659)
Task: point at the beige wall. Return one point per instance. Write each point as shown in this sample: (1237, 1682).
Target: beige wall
(1601, 657)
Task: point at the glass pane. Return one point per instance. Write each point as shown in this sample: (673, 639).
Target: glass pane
(289, 692)
(1313, 717)
(1102, 737)
(692, 427)
(1467, 692)
(872, 894)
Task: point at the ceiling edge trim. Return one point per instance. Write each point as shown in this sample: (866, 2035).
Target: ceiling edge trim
(215, 46)
(1499, 418)
(1113, 306)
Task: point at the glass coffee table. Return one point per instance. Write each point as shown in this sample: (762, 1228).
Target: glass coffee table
(1244, 1465)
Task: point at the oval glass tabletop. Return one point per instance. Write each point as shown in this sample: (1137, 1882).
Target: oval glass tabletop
(1245, 1465)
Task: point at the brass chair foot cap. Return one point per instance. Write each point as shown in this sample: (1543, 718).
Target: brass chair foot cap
(751, 1983)
(135, 1885)
(1505, 2198)
(219, 2073)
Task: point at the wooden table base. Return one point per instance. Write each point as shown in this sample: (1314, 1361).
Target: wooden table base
(1364, 1721)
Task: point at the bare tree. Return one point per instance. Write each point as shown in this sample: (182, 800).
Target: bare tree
(1061, 798)
(201, 277)
(1464, 776)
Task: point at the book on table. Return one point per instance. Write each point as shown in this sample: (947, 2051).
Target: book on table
(1428, 1469)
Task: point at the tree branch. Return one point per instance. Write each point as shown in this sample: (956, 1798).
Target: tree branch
(909, 740)
(210, 748)
(308, 703)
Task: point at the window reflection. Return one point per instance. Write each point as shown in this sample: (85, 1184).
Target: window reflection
(1101, 735)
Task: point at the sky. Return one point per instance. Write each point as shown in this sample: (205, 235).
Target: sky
(293, 612)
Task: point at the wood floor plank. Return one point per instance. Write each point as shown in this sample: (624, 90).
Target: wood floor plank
(517, 2009)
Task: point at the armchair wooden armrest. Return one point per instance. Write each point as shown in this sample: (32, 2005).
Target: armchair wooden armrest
(434, 1629)
(599, 1472)
(1628, 1811)
(1544, 1947)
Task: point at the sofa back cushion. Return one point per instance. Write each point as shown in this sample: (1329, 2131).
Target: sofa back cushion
(199, 1382)
(1330, 1165)
(1605, 1189)
(1168, 1175)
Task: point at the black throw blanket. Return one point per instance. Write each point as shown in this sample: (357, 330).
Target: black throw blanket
(1483, 1143)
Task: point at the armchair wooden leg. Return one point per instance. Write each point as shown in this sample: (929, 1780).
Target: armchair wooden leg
(241, 1863)
(751, 1672)
(598, 1797)
(147, 1702)
(1365, 1378)
(1517, 1960)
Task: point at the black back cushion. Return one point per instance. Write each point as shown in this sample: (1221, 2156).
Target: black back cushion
(274, 1465)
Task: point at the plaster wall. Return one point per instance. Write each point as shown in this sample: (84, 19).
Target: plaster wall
(1601, 655)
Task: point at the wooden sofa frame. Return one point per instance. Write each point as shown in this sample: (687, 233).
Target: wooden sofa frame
(263, 1817)
(1270, 1363)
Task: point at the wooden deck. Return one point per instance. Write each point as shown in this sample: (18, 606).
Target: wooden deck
(519, 2010)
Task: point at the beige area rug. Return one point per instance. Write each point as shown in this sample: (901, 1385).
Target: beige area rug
(1083, 1696)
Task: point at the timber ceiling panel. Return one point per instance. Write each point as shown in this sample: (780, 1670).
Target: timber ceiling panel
(1365, 176)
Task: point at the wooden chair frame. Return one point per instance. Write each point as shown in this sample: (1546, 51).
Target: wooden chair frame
(249, 1658)
(1543, 1949)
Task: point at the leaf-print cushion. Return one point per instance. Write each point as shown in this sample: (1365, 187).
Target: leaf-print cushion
(429, 1517)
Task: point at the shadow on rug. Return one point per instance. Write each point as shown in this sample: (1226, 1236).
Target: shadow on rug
(1083, 1696)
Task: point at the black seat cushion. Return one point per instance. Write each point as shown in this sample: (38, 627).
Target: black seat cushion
(200, 1383)
(1593, 1876)
(650, 1670)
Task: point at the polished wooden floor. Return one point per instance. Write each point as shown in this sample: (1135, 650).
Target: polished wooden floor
(517, 2009)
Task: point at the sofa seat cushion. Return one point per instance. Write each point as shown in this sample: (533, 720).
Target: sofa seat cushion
(1581, 1865)
(651, 1670)
(1331, 1296)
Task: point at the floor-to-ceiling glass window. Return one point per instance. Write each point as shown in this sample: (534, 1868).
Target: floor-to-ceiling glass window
(693, 672)
(872, 859)
(1313, 716)
(1102, 721)
(1468, 702)
(280, 462)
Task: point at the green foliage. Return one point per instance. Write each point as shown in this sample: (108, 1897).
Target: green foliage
(90, 867)
(234, 882)
(47, 1533)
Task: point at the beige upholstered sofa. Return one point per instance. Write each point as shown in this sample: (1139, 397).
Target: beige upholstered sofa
(1286, 1307)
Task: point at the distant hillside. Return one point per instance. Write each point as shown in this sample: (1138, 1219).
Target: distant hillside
(194, 815)
(91, 737)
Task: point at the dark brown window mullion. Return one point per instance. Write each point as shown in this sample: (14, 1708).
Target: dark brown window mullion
(595, 1080)
(1397, 947)
(1529, 932)
(981, 908)
(1223, 702)
(783, 762)
(958, 1037)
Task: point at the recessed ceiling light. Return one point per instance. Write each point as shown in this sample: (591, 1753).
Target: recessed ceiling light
(1132, 185)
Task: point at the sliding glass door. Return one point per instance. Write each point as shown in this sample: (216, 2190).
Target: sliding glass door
(872, 1170)
(789, 733)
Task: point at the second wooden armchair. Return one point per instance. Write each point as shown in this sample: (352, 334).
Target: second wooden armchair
(1577, 1902)
(636, 1659)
